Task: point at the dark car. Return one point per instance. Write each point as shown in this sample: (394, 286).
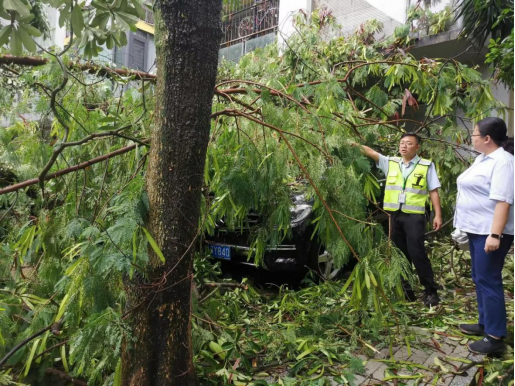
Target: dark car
(294, 255)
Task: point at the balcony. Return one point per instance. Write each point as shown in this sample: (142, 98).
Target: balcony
(249, 20)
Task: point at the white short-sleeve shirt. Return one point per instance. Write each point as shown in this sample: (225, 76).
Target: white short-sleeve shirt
(488, 181)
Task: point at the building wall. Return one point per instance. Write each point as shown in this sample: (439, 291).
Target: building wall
(287, 10)
(57, 33)
(350, 14)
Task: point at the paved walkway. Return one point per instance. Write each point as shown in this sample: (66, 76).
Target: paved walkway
(432, 360)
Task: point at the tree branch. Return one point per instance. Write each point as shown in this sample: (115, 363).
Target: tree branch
(228, 285)
(54, 327)
(71, 169)
(66, 377)
(86, 67)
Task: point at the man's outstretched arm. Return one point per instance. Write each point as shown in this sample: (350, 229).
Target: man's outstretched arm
(369, 152)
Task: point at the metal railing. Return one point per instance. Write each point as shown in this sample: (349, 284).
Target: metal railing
(149, 16)
(244, 23)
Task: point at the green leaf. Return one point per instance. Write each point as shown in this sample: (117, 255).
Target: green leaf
(31, 30)
(440, 364)
(108, 119)
(306, 352)
(4, 34)
(77, 21)
(217, 349)
(62, 307)
(349, 281)
(27, 40)
(18, 6)
(123, 23)
(367, 280)
(118, 374)
(42, 346)
(154, 245)
(130, 19)
(26, 19)
(139, 9)
(63, 358)
(16, 48)
(122, 39)
(31, 356)
(406, 339)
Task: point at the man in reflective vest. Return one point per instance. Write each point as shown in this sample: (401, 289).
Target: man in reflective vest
(409, 180)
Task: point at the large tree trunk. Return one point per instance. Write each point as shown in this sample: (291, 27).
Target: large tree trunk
(188, 37)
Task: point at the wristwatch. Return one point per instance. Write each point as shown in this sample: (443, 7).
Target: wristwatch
(496, 236)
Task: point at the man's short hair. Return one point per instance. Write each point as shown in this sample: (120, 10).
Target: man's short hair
(417, 138)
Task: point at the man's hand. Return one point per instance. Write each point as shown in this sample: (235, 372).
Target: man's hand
(370, 153)
(492, 244)
(437, 223)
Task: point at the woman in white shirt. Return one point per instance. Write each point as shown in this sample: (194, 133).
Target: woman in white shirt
(484, 210)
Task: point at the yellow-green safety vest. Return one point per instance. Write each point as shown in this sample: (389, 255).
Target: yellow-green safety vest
(414, 187)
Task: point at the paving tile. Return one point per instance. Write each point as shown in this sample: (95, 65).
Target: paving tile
(459, 380)
(402, 354)
(451, 342)
(419, 356)
(372, 366)
(448, 349)
(359, 380)
(430, 361)
(446, 380)
(379, 373)
(461, 351)
(419, 331)
(465, 380)
(384, 353)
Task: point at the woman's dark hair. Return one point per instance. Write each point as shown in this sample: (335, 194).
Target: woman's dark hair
(497, 130)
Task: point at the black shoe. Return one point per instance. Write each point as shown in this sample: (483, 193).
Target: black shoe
(472, 329)
(410, 296)
(487, 346)
(431, 299)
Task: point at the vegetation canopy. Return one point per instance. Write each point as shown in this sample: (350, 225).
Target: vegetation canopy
(283, 120)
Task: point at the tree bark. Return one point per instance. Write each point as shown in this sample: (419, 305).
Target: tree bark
(188, 35)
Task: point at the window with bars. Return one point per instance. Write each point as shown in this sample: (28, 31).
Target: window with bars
(134, 54)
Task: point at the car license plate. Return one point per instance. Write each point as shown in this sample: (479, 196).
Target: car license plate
(220, 251)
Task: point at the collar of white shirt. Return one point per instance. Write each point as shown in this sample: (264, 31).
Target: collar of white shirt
(494, 155)
(414, 160)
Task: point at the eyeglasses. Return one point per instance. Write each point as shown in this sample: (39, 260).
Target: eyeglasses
(475, 135)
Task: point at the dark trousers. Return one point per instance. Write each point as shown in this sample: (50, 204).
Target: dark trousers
(486, 273)
(408, 235)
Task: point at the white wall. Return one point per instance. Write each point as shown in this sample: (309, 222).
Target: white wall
(503, 94)
(396, 9)
(288, 8)
(436, 6)
(350, 14)
(57, 34)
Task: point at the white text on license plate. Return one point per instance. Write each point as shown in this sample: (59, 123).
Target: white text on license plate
(221, 251)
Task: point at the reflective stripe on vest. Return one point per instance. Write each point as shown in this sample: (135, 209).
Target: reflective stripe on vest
(414, 187)
(410, 190)
(416, 209)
